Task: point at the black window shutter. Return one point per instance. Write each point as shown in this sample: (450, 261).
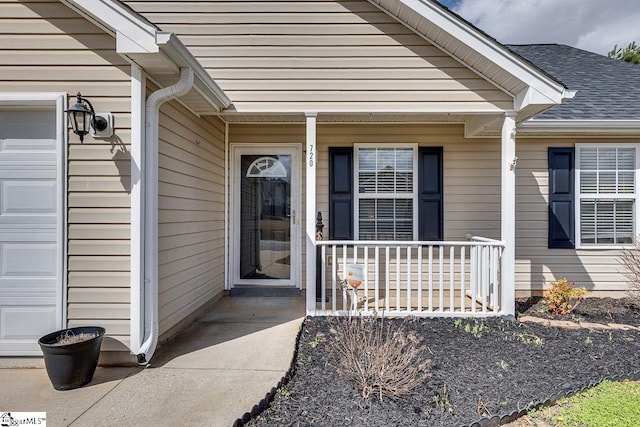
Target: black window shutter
(430, 203)
(341, 193)
(561, 197)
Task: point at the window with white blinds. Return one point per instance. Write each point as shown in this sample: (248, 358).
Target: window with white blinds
(607, 194)
(386, 197)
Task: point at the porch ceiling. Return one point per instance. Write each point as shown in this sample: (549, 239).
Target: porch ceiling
(477, 125)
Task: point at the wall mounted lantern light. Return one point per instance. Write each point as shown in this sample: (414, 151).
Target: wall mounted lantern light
(84, 120)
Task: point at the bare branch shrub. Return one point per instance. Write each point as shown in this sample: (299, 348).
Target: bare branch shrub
(377, 357)
(630, 260)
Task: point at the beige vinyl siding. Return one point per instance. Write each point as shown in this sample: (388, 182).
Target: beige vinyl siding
(536, 265)
(46, 47)
(321, 56)
(191, 213)
(471, 171)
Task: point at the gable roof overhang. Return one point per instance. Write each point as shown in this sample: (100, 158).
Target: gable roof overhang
(162, 54)
(159, 53)
(533, 90)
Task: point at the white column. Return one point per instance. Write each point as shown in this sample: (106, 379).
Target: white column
(310, 218)
(508, 213)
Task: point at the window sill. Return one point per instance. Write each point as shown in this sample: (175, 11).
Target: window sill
(596, 247)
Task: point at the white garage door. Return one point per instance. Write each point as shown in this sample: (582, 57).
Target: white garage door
(29, 258)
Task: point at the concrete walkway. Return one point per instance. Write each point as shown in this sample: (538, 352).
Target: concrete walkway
(210, 375)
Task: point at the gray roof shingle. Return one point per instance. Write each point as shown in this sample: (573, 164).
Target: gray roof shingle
(608, 89)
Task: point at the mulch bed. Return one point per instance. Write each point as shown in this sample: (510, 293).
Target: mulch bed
(596, 310)
(509, 366)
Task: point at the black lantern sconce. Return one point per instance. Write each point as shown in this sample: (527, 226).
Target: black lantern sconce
(84, 120)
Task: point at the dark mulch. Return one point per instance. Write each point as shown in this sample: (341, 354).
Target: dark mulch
(503, 370)
(596, 310)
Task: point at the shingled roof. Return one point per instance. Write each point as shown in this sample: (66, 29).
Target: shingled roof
(608, 89)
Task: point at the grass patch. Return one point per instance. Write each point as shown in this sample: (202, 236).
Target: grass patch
(610, 404)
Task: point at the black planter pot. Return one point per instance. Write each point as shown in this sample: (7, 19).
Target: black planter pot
(71, 366)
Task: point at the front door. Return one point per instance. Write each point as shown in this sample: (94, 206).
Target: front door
(266, 218)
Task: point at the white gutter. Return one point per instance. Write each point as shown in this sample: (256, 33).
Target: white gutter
(155, 100)
(173, 48)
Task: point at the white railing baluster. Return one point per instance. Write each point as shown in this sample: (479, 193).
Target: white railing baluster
(334, 278)
(494, 278)
(409, 306)
(398, 278)
(376, 295)
(344, 277)
(452, 289)
(387, 291)
(430, 278)
(323, 279)
(463, 287)
(474, 278)
(420, 278)
(441, 276)
(365, 306)
(485, 277)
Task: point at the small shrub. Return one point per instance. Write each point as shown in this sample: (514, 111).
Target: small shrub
(475, 330)
(630, 260)
(530, 339)
(376, 357)
(441, 401)
(562, 294)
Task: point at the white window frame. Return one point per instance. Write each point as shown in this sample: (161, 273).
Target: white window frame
(413, 195)
(579, 197)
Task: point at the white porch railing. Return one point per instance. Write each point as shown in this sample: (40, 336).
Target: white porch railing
(430, 278)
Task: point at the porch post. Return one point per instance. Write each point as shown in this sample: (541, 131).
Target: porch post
(508, 213)
(310, 217)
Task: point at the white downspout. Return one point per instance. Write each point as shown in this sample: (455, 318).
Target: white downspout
(227, 285)
(138, 95)
(155, 100)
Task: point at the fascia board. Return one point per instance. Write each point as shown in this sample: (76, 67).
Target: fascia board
(530, 96)
(489, 49)
(133, 34)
